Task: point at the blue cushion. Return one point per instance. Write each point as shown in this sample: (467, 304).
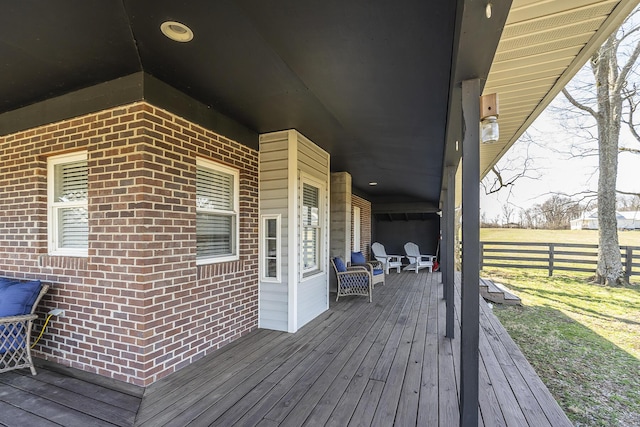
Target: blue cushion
(18, 298)
(339, 264)
(357, 258)
(5, 282)
(377, 271)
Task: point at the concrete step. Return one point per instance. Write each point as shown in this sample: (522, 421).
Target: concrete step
(498, 293)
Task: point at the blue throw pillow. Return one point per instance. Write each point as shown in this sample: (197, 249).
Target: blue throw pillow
(339, 264)
(377, 271)
(18, 298)
(357, 258)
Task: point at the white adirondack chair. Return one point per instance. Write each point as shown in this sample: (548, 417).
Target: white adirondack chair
(388, 261)
(416, 259)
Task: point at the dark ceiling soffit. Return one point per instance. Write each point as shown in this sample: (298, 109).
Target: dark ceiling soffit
(454, 123)
(116, 92)
(160, 94)
(406, 217)
(476, 43)
(403, 208)
(125, 90)
(479, 38)
(358, 192)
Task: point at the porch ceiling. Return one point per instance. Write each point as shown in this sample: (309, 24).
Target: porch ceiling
(370, 81)
(367, 80)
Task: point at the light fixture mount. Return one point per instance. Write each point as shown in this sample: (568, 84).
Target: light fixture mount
(176, 31)
(489, 111)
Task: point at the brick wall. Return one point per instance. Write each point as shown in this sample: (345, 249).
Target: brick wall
(137, 308)
(365, 223)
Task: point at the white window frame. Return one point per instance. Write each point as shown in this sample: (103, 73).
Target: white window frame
(357, 228)
(319, 267)
(54, 207)
(234, 213)
(265, 256)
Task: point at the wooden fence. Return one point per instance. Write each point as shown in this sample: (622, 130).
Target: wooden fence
(553, 256)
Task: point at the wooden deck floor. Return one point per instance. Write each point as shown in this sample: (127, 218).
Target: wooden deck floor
(382, 363)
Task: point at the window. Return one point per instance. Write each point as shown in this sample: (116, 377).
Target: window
(271, 248)
(310, 228)
(68, 185)
(356, 229)
(216, 212)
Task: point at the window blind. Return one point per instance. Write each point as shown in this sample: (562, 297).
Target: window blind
(72, 182)
(310, 224)
(71, 187)
(214, 189)
(215, 216)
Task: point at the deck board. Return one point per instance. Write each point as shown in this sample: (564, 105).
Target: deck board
(428, 394)
(327, 407)
(123, 401)
(43, 400)
(386, 410)
(280, 354)
(448, 367)
(299, 414)
(381, 363)
(407, 410)
(258, 404)
(552, 410)
(11, 415)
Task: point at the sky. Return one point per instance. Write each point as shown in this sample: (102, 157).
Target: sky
(552, 170)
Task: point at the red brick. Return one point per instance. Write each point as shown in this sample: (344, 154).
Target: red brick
(142, 257)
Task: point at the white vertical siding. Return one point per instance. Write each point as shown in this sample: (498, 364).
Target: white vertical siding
(273, 166)
(294, 301)
(313, 292)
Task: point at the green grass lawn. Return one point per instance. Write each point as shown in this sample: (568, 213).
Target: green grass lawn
(582, 339)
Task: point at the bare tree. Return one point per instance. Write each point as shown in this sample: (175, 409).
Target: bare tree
(611, 88)
(511, 168)
(628, 203)
(529, 218)
(507, 213)
(557, 212)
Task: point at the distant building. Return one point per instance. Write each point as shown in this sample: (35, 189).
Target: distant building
(589, 221)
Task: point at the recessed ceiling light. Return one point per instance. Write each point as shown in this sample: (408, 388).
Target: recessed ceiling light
(176, 31)
(488, 11)
(373, 183)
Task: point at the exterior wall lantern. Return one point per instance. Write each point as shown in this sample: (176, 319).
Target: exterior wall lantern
(490, 132)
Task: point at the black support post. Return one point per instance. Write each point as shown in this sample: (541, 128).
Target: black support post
(451, 249)
(628, 264)
(443, 244)
(469, 339)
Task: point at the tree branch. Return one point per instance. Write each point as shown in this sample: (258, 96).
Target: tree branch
(578, 105)
(631, 125)
(623, 26)
(499, 183)
(629, 150)
(627, 193)
(624, 72)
